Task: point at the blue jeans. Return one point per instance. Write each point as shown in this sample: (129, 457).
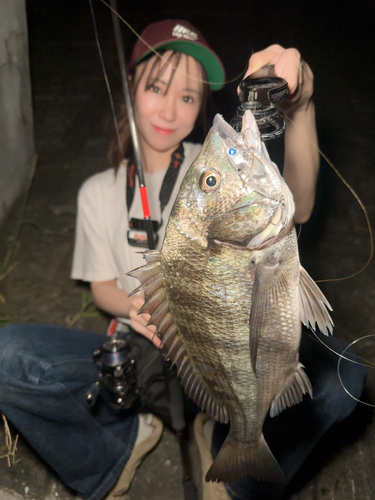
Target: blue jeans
(45, 372)
(293, 434)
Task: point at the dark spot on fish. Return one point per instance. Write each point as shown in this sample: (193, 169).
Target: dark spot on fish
(204, 367)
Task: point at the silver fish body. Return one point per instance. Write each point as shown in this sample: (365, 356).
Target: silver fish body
(227, 294)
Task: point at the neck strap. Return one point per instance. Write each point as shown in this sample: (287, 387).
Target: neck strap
(169, 180)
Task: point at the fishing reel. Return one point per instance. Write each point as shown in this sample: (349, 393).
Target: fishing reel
(133, 377)
(117, 375)
(259, 92)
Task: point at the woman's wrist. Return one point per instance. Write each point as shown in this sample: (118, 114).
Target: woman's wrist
(301, 116)
(111, 299)
(300, 101)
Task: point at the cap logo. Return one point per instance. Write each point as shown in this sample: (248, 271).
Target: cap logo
(180, 31)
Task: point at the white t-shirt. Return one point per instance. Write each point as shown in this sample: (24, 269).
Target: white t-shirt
(102, 251)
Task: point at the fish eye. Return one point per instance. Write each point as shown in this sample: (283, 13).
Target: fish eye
(209, 181)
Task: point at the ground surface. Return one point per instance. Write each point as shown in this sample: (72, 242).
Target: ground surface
(71, 118)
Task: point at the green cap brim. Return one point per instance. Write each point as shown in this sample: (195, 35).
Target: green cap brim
(210, 62)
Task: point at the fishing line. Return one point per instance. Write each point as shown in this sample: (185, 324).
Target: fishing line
(365, 362)
(359, 201)
(341, 356)
(366, 216)
(339, 376)
(114, 116)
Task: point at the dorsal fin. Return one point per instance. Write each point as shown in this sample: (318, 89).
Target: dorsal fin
(153, 301)
(152, 268)
(156, 304)
(149, 286)
(313, 306)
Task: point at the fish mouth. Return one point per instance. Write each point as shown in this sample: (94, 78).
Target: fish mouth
(261, 201)
(236, 244)
(252, 235)
(245, 245)
(239, 245)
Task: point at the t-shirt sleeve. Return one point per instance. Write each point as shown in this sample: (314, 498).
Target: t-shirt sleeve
(92, 259)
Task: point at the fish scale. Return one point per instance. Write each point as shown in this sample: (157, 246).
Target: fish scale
(227, 295)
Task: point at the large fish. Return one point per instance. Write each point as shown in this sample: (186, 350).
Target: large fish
(227, 294)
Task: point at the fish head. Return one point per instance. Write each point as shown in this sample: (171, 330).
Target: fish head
(233, 192)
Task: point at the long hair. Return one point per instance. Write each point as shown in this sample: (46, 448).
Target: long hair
(121, 146)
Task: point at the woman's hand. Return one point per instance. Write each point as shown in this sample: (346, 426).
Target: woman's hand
(301, 161)
(139, 321)
(116, 302)
(288, 65)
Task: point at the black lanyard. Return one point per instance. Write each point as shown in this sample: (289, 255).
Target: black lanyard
(169, 180)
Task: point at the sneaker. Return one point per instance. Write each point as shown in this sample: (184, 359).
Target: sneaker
(149, 433)
(203, 430)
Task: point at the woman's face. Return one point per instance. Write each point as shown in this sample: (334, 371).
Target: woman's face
(165, 116)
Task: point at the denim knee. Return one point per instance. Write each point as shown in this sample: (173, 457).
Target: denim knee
(30, 351)
(11, 349)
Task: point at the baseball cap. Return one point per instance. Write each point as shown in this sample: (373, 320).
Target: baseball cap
(180, 36)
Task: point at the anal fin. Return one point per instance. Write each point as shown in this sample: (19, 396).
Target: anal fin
(292, 393)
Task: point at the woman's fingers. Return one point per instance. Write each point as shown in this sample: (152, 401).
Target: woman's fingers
(289, 66)
(139, 321)
(286, 62)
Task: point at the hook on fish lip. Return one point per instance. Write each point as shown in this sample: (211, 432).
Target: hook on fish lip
(284, 214)
(250, 154)
(241, 141)
(283, 219)
(262, 201)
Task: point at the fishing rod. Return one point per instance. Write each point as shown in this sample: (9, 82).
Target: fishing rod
(188, 485)
(132, 126)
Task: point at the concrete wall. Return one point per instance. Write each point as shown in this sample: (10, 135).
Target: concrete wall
(16, 120)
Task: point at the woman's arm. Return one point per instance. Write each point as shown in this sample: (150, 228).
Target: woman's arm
(111, 299)
(301, 161)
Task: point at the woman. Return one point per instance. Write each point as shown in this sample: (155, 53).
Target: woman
(44, 382)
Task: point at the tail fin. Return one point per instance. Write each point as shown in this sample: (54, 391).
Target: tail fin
(235, 461)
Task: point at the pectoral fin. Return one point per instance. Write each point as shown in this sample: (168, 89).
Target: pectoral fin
(313, 306)
(156, 304)
(292, 393)
(269, 284)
